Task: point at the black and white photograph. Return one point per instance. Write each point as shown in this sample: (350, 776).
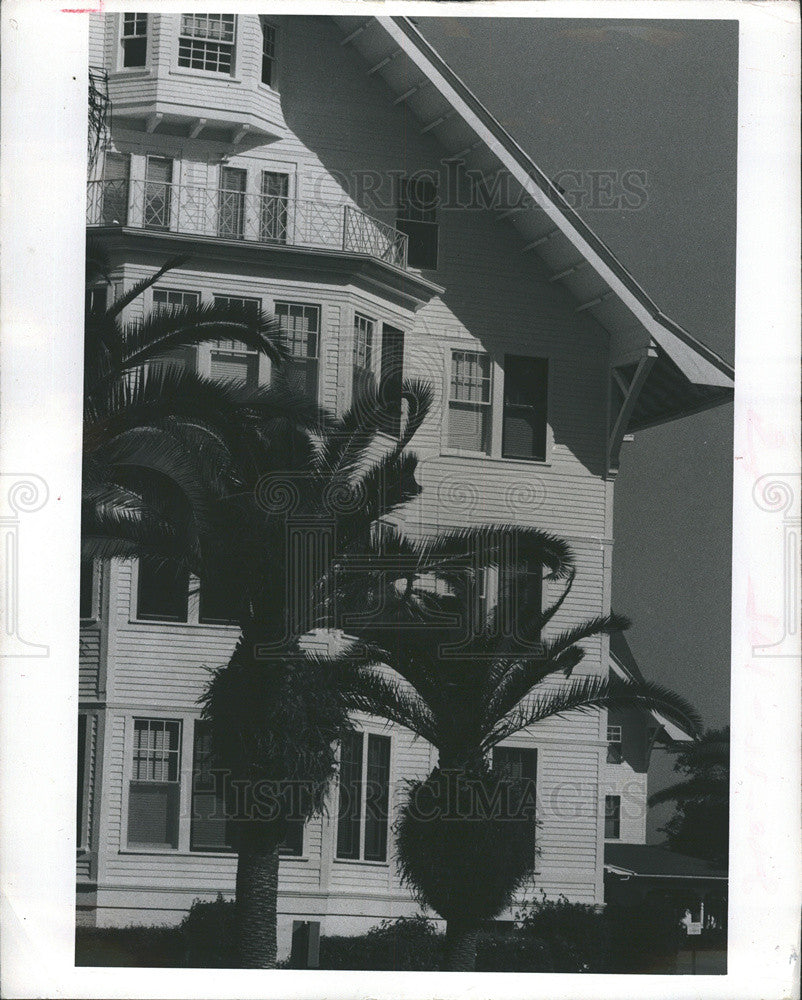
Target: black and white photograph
(414, 431)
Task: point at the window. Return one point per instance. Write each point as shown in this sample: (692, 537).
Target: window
(525, 396)
(206, 42)
(268, 54)
(158, 188)
(612, 817)
(417, 217)
(363, 353)
(219, 602)
(167, 298)
(363, 808)
(162, 592)
(231, 359)
(392, 377)
(210, 828)
(300, 328)
(273, 208)
(86, 594)
(153, 797)
(522, 588)
(293, 843)
(135, 39)
(97, 299)
(116, 175)
(231, 207)
(518, 762)
(469, 402)
(614, 754)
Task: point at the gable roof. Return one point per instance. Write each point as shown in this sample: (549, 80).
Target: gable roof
(682, 375)
(624, 665)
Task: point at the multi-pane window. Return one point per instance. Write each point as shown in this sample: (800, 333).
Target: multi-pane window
(525, 402)
(158, 190)
(206, 42)
(168, 298)
(153, 798)
(86, 596)
(417, 217)
(268, 53)
(364, 330)
(299, 326)
(135, 39)
(364, 797)
(273, 207)
(231, 359)
(162, 592)
(614, 739)
(612, 817)
(469, 401)
(392, 378)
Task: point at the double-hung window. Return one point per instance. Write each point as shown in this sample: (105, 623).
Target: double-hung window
(166, 299)
(268, 53)
(614, 740)
(231, 359)
(206, 42)
(521, 590)
(391, 383)
(364, 797)
(299, 327)
(364, 331)
(134, 40)
(162, 592)
(154, 789)
(469, 401)
(612, 817)
(210, 824)
(524, 433)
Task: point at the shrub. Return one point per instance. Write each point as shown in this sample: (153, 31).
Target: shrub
(157, 947)
(409, 943)
(576, 936)
(207, 935)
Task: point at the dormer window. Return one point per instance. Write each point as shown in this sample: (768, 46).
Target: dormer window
(206, 42)
(135, 39)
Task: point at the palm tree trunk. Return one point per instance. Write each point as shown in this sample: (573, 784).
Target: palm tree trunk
(461, 936)
(257, 895)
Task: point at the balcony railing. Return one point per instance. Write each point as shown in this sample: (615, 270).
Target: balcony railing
(235, 215)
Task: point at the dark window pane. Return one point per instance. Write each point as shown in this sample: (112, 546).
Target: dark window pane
(86, 602)
(525, 407)
(153, 814)
(518, 762)
(135, 51)
(268, 53)
(422, 243)
(392, 374)
(219, 601)
(293, 843)
(210, 829)
(350, 796)
(612, 817)
(162, 592)
(377, 795)
(417, 217)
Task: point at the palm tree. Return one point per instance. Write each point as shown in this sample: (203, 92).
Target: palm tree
(700, 826)
(468, 676)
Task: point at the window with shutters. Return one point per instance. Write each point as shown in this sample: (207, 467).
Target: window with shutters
(299, 326)
(470, 402)
(612, 817)
(525, 422)
(417, 217)
(363, 797)
(154, 788)
(231, 359)
(364, 331)
(206, 42)
(134, 40)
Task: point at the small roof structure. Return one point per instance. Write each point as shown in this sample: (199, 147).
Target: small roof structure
(649, 861)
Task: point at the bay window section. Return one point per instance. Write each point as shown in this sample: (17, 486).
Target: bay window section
(299, 327)
(206, 42)
(268, 53)
(364, 796)
(134, 40)
(232, 360)
(469, 402)
(392, 378)
(154, 788)
(364, 330)
(524, 433)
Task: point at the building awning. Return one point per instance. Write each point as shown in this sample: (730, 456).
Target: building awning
(649, 861)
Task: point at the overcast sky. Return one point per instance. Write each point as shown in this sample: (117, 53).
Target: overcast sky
(658, 97)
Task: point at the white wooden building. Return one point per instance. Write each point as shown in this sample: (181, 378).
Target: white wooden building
(310, 164)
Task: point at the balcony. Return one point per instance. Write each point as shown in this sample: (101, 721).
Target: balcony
(222, 214)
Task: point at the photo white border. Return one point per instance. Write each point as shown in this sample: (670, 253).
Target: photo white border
(41, 294)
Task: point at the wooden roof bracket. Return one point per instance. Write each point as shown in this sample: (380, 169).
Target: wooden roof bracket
(631, 392)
